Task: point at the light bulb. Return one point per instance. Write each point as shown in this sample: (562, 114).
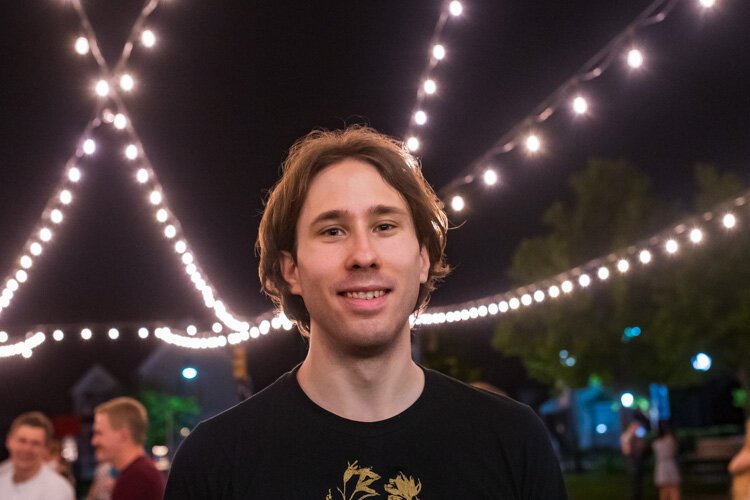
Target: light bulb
(635, 58)
(148, 39)
(438, 52)
(457, 203)
(126, 82)
(430, 87)
(82, 45)
(420, 117)
(580, 106)
(533, 143)
(490, 177)
(102, 88)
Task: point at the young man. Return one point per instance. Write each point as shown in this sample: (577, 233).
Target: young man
(351, 243)
(120, 427)
(27, 476)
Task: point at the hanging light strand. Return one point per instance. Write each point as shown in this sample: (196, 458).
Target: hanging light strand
(663, 245)
(428, 86)
(523, 133)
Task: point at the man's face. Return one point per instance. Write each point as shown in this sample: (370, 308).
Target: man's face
(27, 448)
(359, 264)
(106, 440)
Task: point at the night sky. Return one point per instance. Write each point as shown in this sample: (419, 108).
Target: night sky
(231, 84)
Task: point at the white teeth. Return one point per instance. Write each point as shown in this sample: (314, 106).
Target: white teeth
(365, 295)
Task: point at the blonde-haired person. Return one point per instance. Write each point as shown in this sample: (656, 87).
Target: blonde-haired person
(26, 476)
(120, 427)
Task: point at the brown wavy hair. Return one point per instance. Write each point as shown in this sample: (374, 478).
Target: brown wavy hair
(307, 157)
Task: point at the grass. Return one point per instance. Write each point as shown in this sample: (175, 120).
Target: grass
(614, 485)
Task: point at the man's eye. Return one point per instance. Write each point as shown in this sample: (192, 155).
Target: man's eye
(332, 231)
(385, 226)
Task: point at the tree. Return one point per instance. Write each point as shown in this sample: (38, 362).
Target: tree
(697, 302)
(167, 413)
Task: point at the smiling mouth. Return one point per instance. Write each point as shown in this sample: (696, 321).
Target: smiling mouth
(372, 294)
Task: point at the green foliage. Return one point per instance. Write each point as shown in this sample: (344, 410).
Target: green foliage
(167, 411)
(447, 355)
(699, 301)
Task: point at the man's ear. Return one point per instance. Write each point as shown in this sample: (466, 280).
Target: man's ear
(424, 269)
(289, 272)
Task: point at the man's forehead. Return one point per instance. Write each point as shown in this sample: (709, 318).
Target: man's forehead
(29, 432)
(351, 187)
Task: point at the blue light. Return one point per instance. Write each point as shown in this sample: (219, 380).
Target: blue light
(627, 399)
(189, 373)
(601, 429)
(702, 362)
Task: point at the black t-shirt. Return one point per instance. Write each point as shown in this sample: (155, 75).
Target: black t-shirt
(454, 442)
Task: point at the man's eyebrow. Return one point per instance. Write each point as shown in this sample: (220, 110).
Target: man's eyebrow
(330, 215)
(334, 215)
(387, 210)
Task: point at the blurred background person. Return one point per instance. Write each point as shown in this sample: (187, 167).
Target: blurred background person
(666, 472)
(27, 477)
(120, 427)
(739, 467)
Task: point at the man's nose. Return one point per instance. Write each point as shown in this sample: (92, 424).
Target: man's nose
(362, 251)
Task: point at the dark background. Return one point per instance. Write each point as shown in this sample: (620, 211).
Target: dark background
(231, 84)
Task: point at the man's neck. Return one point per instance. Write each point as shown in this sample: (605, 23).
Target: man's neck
(364, 389)
(127, 457)
(21, 476)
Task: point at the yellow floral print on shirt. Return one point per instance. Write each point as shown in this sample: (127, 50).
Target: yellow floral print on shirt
(398, 488)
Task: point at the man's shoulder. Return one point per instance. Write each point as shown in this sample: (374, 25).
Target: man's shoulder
(53, 482)
(476, 403)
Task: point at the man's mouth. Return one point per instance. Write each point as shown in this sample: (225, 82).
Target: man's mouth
(369, 295)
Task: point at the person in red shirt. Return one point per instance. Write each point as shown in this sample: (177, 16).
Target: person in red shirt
(120, 427)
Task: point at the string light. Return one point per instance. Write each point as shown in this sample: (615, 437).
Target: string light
(623, 265)
(148, 39)
(471, 313)
(584, 280)
(412, 143)
(644, 256)
(65, 197)
(131, 152)
(729, 221)
(580, 105)
(656, 12)
(671, 246)
(120, 121)
(455, 8)
(142, 175)
(126, 82)
(74, 174)
(603, 273)
(102, 88)
(707, 3)
(430, 87)
(457, 203)
(490, 177)
(420, 117)
(89, 146)
(86, 334)
(438, 52)
(533, 143)
(635, 58)
(82, 45)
